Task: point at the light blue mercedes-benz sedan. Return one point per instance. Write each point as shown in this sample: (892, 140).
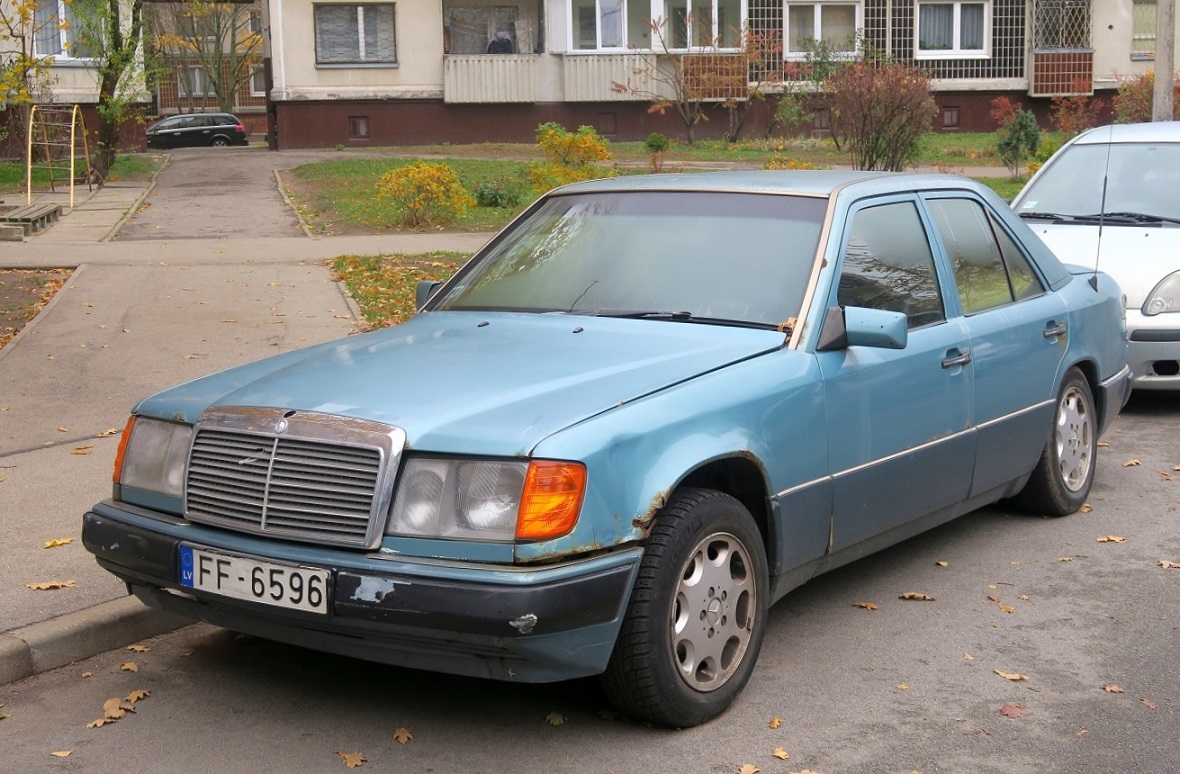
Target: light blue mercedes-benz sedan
(646, 410)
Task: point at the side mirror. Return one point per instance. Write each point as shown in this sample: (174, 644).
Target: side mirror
(855, 326)
(424, 291)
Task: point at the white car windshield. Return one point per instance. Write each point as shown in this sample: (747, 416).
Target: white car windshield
(1143, 184)
(699, 256)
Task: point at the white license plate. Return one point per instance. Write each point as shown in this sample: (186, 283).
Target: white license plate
(280, 585)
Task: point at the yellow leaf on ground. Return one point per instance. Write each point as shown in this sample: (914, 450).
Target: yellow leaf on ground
(1147, 703)
(87, 674)
(137, 648)
(1008, 609)
(108, 432)
(83, 450)
(113, 709)
(865, 605)
(63, 429)
(555, 718)
(993, 598)
(352, 760)
(1066, 559)
(1015, 677)
(902, 687)
(943, 564)
(402, 735)
(137, 694)
(781, 754)
(99, 723)
(775, 722)
(1131, 463)
(1112, 539)
(1112, 688)
(1086, 508)
(748, 768)
(129, 666)
(51, 585)
(1168, 565)
(58, 542)
(968, 657)
(917, 596)
(61, 753)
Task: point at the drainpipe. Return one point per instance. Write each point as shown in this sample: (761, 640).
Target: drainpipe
(1165, 60)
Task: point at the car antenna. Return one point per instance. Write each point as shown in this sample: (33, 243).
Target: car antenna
(1102, 207)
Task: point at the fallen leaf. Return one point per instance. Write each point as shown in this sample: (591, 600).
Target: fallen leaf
(1081, 732)
(1086, 508)
(1168, 565)
(87, 674)
(555, 718)
(83, 449)
(1015, 677)
(902, 687)
(1147, 703)
(781, 754)
(1023, 597)
(1103, 445)
(137, 648)
(1131, 463)
(1112, 688)
(4, 716)
(775, 722)
(109, 432)
(51, 585)
(865, 605)
(99, 723)
(1008, 609)
(1165, 475)
(402, 735)
(917, 596)
(1012, 710)
(1066, 559)
(129, 666)
(113, 709)
(748, 768)
(993, 598)
(63, 429)
(61, 753)
(992, 586)
(1176, 467)
(58, 542)
(138, 694)
(943, 564)
(352, 760)
(1112, 539)
(968, 657)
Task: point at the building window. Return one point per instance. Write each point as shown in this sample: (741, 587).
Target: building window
(56, 32)
(1143, 29)
(474, 30)
(258, 81)
(950, 118)
(702, 23)
(358, 127)
(355, 34)
(194, 82)
(831, 26)
(1061, 24)
(610, 24)
(950, 30)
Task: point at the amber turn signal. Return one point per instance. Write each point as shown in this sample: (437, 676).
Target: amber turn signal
(551, 500)
(126, 439)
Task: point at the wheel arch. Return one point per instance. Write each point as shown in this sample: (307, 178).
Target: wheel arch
(741, 477)
(1089, 369)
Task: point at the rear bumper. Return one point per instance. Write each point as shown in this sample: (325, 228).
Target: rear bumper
(530, 625)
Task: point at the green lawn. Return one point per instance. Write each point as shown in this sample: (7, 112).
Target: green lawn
(133, 166)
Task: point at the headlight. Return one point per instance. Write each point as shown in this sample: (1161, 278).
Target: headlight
(1164, 297)
(152, 455)
(487, 499)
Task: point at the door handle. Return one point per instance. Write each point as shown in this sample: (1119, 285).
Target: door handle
(1057, 329)
(951, 360)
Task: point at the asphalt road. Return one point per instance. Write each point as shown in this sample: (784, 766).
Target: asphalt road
(910, 686)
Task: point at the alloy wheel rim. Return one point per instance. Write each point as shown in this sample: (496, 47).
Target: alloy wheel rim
(713, 613)
(1074, 441)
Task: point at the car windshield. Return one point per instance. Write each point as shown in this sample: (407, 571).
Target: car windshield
(1142, 180)
(702, 256)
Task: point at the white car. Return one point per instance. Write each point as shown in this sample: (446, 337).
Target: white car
(1110, 198)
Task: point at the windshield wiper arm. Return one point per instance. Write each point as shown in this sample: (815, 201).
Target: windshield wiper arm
(1044, 216)
(1139, 217)
(642, 314)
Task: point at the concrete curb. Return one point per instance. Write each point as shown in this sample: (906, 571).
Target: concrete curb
(50, 644)
(134, 208)
(290, 203)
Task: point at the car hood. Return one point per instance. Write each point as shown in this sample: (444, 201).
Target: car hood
(480, 383)
(1136, 257)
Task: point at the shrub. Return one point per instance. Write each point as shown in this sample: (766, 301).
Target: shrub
(657, 146)
(879, 112)
(793, 113)
(1133, 101)
(1019, 136)
(1074, 115)
(569, 156)
(497, 193)
(425, 193)
(778, 161)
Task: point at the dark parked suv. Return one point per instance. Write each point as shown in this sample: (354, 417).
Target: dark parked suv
(196, 130)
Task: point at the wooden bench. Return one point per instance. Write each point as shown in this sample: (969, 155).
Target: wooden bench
(33, 217)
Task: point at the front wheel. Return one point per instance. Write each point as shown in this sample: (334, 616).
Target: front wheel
(1061, 481)
(695, 621)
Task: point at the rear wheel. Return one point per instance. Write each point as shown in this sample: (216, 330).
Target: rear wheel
(1062, 479)
(219, 142)
(695, 622)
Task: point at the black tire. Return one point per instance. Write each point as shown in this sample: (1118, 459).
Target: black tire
(219, 142)
(703, 576)
(1062, 479)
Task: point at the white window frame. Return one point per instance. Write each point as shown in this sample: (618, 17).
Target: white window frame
(257, 72)
(51, 27)
(199, 78)
(957, 52)
(817, 29)
(361, 61)
(655, 11)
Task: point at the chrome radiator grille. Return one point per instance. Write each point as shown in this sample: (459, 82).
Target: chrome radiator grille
(309, 477)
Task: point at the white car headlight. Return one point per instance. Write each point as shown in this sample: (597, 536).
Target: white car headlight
(153, 456)
(492, 500)
(1164, 297)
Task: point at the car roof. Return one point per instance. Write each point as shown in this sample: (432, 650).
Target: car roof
(803, 182)
(1157, 131)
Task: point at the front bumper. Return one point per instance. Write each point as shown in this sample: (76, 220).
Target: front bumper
(525, 624)
(1153, 350)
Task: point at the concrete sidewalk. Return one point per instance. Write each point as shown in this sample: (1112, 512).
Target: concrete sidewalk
(135, 317)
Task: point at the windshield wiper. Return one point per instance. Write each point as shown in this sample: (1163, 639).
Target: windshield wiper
(641, 314)
(1137, 217)
(1044, 216)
